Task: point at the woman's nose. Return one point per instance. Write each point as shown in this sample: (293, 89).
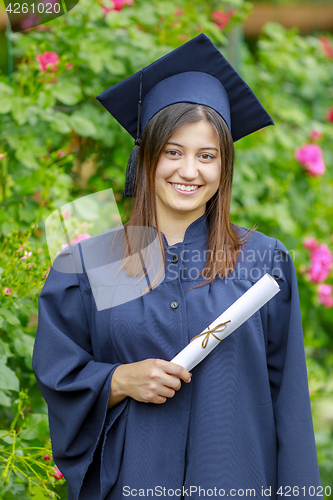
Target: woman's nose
(188, 168)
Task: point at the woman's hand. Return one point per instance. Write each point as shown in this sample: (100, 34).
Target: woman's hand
(149, 381)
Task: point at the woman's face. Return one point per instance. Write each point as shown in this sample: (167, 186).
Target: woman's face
(188, 171)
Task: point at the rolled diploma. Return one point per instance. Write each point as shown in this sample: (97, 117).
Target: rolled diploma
(241, 310)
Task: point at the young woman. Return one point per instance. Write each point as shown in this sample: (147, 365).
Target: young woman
(124, 421)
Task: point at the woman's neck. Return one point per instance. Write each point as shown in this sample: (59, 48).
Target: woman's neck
(174, 228)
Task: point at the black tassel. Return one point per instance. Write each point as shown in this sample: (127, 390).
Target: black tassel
(132, 163)
(131, 171)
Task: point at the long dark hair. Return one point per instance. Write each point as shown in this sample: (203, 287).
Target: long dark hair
(222, 235)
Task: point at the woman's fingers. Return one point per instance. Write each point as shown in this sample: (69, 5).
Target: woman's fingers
(149, 381)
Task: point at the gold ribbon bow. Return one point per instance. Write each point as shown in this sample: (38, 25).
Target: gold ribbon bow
(208, 332)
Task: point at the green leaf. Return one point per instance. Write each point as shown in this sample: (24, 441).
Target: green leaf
(5, 89)
(67, 92)
(45, 100)
(59, 124)
(36, 427)
(23, 345)
(82, 126)
(5, 105)
(9, 317)
(4, 399)
(19, 110)
(8, 379)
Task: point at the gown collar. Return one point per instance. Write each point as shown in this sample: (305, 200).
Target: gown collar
(197, 230)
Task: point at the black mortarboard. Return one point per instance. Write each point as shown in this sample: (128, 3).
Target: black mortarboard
(195, 72)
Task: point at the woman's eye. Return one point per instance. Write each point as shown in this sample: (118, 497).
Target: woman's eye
(207, 156)
(172, 152)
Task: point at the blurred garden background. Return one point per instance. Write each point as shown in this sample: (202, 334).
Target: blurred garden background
(57, 144)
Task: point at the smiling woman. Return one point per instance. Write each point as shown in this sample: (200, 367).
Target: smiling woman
(123, 418)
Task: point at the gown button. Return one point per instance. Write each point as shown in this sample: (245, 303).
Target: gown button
(174, 304)
(174, 259)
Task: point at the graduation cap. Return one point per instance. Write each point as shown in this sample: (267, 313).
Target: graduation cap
(195, 72)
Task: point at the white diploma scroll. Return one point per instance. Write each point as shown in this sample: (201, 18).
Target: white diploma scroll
(241, 310)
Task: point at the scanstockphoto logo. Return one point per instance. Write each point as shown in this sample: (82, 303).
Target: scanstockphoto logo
(27, 14)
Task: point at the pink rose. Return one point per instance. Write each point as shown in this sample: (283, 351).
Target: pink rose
(57, 474)
(310, 244)
(315, 135)
(48, 61)
(82, 236)
(119, 4)
(325, 295)
(329, 114)
(8, 291)
(326, 46)
(310, 156)
(321, 264)
(220, 18)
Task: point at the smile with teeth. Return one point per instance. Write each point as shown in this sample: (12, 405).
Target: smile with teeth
(184, 187)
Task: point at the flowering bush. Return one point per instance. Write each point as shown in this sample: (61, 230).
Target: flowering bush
(59, 144)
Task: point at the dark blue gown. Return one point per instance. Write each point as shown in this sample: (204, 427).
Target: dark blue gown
(243, 422)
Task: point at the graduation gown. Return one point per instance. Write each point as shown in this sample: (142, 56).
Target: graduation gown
(242, 423)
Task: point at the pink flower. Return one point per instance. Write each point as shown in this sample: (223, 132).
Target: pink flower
(66, 214)
(326, 46)
(329, 114)
(57, 474)
(82, 236)
(310, 244)
(315, 135)
(117, 5)
(21, 248)
(2, 156)
(30, 22)
(321, 264)
(220, 18)
(30, 266)
(178, 12)
(8, 291)
(61, 153)
(325, 295)
(311, 157)
(26, 255)
(46, 457)
(69, 65)
(48, 61)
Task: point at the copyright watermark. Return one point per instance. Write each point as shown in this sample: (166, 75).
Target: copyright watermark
(199, 492)
(27, 14)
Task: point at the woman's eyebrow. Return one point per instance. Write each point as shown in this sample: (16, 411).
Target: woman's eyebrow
(181, 146)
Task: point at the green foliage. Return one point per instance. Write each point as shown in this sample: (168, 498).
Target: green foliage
(59, 144)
